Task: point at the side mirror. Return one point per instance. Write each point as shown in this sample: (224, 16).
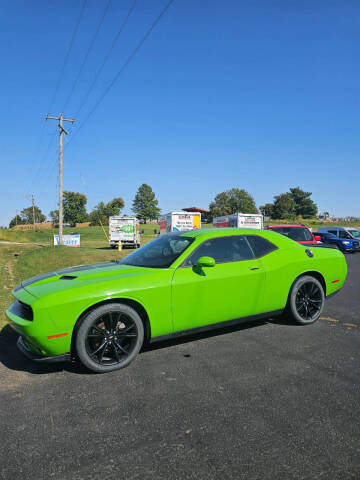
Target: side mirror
(317, 238)
(205, 262)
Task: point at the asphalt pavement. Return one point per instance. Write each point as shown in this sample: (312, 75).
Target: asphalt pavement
(266, 400)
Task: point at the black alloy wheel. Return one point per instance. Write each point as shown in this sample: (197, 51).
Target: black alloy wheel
(306, 300)
(109, 337)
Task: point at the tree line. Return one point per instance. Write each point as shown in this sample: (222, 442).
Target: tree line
(288, 205)
(145, 207)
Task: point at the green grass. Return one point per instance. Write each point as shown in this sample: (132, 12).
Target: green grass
(8, 274)
(89, 236)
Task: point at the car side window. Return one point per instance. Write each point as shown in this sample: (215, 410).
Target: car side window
(334, 232)
(222, 249)
(344, 234)
(260, 246)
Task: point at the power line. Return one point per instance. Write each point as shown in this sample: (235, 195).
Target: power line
(131, 56)
(42, 161)
(87, 53)
(67, 55)
(107, 56)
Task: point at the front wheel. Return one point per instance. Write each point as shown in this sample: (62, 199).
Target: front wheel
(109, 337)
(306, 300)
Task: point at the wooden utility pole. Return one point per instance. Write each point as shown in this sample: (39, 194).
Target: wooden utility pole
(33, 210)
(32, 201)
(62, 130)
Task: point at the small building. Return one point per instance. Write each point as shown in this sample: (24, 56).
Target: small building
(205, 214)
(195, 209)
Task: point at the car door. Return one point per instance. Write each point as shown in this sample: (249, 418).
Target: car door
(231, 289)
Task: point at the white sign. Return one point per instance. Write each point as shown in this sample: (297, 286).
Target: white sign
(68, 240)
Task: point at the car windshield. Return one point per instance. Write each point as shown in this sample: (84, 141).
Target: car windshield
(159, 253)
(298, 234)
(355, 233)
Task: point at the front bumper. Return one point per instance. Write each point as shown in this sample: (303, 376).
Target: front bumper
(66, 357)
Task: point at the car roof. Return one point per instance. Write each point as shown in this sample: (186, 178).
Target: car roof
(287, 226)
(220, 232)
(335, 227)
(274, 237)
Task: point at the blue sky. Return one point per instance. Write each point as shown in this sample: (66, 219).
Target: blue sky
(255, 94)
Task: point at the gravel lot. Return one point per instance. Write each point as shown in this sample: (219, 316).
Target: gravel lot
(261, 401)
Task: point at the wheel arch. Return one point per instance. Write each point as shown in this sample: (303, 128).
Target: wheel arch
(315, 274)
(126, 301)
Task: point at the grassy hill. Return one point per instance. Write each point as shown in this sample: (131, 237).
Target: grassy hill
(90, 236)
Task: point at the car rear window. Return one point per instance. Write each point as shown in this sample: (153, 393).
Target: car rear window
(298, 234)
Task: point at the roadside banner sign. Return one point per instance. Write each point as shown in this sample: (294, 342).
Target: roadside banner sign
(68, 240)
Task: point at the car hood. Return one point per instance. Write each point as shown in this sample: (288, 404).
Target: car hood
(82, 274)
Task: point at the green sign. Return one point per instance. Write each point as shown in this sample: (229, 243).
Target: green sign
(127, 228)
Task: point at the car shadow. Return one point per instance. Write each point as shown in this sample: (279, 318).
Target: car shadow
(13, 359)
(202, 335)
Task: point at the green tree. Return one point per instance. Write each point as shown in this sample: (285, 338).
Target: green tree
(284, 206)
(17, 220)
(145, 205)
(115, 206)
(267, 209)
(27, 215)
(232, 201)
(54, 216)
(74, 205)
(102, 211)
(303, 204)
(220, 205)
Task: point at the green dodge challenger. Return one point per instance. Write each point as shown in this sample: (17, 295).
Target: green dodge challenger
(179, 283)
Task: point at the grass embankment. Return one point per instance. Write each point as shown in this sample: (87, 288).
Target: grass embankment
(90, 236)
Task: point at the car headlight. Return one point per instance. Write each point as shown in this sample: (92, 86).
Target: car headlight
(346, 242)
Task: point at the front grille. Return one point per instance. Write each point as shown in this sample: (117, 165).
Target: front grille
(22, 310)
(356, 244)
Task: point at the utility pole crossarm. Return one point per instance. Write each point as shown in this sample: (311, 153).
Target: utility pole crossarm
(49, 117)
(62, 130)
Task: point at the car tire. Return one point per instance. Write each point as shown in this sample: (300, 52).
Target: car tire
(109, 337)
(306, 300)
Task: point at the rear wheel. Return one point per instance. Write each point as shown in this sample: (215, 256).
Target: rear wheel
(306, 300)
(109, 337)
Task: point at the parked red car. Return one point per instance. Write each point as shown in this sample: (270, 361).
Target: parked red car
(299, 233)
